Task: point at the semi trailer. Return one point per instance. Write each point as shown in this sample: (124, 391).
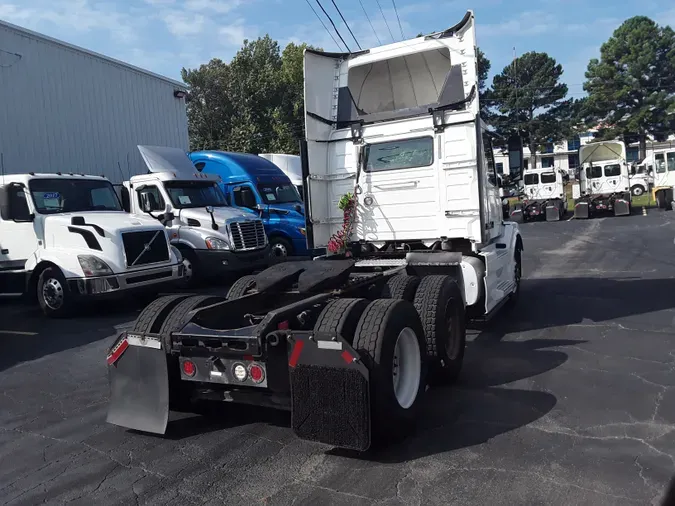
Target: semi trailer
(604, 182)
(400, 179)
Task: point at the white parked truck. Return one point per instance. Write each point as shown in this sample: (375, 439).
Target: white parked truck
(544, 194)
(348, 342)
(213, 238)
(604, 182)
(65, 237)
(290, 165)
(664, 178)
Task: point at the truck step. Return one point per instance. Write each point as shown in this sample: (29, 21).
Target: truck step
(382, 262)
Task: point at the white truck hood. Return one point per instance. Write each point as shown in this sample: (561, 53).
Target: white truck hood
(101, 235)
(221, 215)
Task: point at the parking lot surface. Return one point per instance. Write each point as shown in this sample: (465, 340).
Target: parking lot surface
(567, 399)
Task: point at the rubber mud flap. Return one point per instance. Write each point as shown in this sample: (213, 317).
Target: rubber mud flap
(552, 213)
(621, 208)
(139, 389)
(330, 396)
(581, 210)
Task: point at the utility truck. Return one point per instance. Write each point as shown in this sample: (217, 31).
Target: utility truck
(65, 238)
(604, 182)
(213, 238)
(544, 194)
(349, 341)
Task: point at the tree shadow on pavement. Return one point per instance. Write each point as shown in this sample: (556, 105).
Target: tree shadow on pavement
(28, 335)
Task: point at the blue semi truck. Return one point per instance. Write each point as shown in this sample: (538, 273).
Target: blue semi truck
(252, 182)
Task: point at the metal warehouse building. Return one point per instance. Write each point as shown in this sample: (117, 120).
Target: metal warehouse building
(63, 108)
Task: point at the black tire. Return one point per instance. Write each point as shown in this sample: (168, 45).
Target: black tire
(375, 340)
(180, 392)
(341, 316)
(278, 245)
(518, 273)
(152, 317)
(401, 287)
(54, 296)
(440, 305)
(240, 287)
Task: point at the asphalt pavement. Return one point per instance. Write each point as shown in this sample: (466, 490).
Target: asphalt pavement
(567, 399)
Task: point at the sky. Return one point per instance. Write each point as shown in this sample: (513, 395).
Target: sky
(164, 36)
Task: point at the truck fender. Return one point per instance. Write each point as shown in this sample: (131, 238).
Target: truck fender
(64, 260)
(473, 273)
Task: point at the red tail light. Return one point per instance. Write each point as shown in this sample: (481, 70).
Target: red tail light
(189, 368)
(256, 373)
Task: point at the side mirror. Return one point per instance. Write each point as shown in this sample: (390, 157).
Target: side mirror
(516, 157)
(5, 208)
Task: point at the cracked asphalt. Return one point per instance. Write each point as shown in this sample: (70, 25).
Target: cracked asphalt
(568, 399)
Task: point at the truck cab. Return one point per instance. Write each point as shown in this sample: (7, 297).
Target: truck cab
(604, 181)
(213, 237)
(253, 183)
(544, 194)
(65, 238)
(664, 177)
(290, 165)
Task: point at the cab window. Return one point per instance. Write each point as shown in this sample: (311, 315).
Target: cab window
(531, 179)
(612, 170)
(548, 178)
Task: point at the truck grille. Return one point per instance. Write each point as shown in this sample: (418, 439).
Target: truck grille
(141, 249)
(248, 234)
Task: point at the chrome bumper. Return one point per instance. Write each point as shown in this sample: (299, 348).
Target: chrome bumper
(127, 281)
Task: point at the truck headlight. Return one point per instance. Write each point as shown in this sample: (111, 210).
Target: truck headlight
(216, 243)
(93, 266)
(177, 253)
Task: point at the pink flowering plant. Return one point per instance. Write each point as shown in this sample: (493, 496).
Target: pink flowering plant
(338, 241)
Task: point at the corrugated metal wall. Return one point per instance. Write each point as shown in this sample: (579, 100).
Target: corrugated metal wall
(65, 110)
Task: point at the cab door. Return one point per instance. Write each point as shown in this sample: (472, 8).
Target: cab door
(18, 238)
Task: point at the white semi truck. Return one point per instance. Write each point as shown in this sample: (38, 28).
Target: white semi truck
(214, 238)
(664, 177)
(65, 238)
(544, 194)
(604, 181)
(349, 341)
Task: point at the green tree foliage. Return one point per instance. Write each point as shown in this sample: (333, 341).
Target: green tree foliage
(254, 104)
(631, 88)
(484, 67)
(528, 96)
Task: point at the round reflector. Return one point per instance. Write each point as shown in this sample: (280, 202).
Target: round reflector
(239, 372)
(257, 373)
(189, 368)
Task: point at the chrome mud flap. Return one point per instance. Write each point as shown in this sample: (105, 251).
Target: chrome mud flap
(621, 207)
(581, 210)
(139, 384)
(552, 213)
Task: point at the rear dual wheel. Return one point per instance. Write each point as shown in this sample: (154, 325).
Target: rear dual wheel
(388, 335)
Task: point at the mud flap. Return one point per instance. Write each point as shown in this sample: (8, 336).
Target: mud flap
(139, 384)
(552, 213)
(581, 210)
(621, 207)
(330, 397)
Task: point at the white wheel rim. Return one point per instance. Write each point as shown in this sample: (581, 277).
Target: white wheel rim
(52, 293)
(407, 368)
(188, 269)
(279, 250)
